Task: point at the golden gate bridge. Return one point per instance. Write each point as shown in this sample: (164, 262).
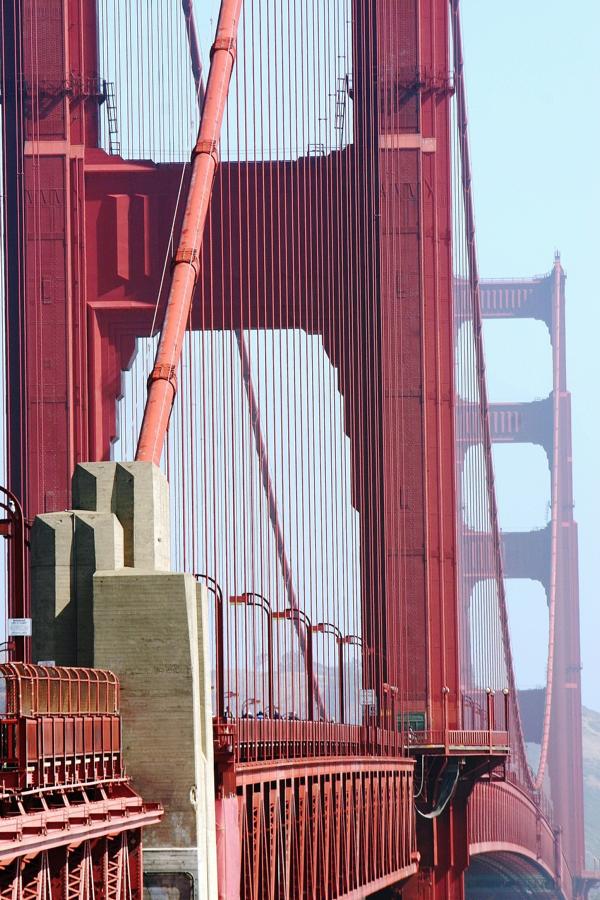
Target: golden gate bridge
(255, 569)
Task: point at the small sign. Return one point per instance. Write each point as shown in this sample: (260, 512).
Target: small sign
(46, 662)
(19, 627)
(412, 721)
(368, 699)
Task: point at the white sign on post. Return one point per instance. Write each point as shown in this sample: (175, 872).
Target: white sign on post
(19, 627)
(368, 699)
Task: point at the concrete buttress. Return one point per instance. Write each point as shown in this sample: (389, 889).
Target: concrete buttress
(103, 595)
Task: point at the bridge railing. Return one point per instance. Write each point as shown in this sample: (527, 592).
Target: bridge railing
(58, 726)
(467, 740)
(285, 687)
(260, 740)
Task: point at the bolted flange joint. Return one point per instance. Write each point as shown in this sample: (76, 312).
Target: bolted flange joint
(164, 372)
(208, 148)
(190, 257)
(224, 43)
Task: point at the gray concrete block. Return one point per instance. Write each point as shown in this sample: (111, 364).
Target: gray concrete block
(138, 494)
(152, 629)
(93, 487)
(53, 607)
(67, 548)
(98, 544)
(142, 493)
(102, 595)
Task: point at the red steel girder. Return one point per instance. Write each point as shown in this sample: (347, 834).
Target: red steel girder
(338, 830)
(37, 832)
(108, 866)
(82, 816)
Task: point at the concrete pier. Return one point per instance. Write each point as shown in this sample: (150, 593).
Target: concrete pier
(103, 595)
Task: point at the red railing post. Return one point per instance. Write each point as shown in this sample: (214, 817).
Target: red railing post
(215, 589)
(445, 692)
(490, 718)
(507, 711)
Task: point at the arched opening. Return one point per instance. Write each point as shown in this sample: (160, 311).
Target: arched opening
(528, 623)
(506, 876)
(523, 486)
(518, 360)
(527, 606)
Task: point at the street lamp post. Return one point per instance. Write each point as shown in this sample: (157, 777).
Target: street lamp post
(251, 598)
(357, 641)
(298, 615)
(215, 589)
(328, 628)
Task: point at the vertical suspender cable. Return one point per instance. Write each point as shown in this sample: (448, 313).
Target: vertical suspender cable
(162, 384)
(261, 448)
(477, 326)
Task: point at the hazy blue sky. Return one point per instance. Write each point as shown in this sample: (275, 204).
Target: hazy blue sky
(533, 76)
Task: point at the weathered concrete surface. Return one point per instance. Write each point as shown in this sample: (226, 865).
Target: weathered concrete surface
(67, 548)
(138, 494)
(98, 544)
(53, 603)
(102, 595)
(164, 666)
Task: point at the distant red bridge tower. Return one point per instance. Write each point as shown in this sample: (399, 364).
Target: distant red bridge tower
(552, 715)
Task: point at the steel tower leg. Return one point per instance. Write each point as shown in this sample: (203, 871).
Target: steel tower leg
(46, 138)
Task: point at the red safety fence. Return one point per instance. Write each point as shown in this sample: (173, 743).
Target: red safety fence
(58, 726)
(32, 690)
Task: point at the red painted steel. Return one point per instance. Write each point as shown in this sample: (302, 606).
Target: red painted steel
(419, 521)
(186, 262)
(328, 831)
(550, 556)
(502, 819)
(70, 822)
(58, 726)
(27, 831)
(325, 808)
(83, 868)
(44, 140)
